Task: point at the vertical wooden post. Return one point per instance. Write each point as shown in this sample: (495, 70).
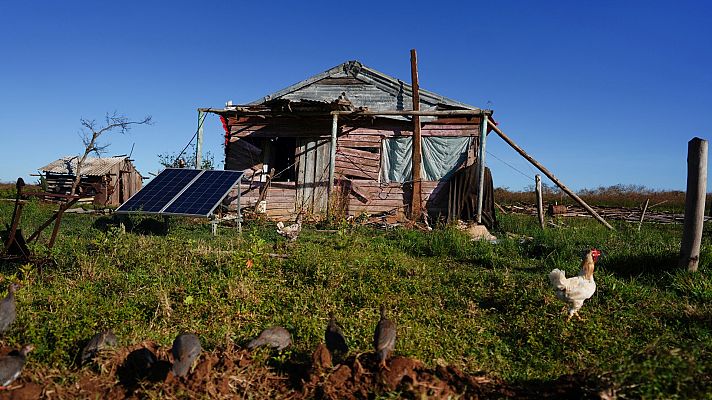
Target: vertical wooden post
(694, 203)
(481, 165)
(239, 206)
(199, 144)
(539, 200)
(332, 163)
(642, 215)
(417, 157)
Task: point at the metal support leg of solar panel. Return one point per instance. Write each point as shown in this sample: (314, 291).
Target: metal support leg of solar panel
(185, 192)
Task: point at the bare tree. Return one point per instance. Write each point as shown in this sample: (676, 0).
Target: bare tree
(91, 131)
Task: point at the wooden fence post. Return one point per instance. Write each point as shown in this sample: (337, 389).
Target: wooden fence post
(694, 203)
(642, 215)
(539, 200)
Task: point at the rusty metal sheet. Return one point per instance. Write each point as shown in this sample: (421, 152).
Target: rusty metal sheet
(91, 167)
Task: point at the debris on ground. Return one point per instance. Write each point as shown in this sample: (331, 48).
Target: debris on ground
(475, 231)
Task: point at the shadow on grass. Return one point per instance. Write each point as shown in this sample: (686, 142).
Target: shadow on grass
(649, 267)
(139, 225)
(574, 386)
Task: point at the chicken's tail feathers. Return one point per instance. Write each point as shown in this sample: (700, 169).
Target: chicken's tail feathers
(280, 226)
(557, 277)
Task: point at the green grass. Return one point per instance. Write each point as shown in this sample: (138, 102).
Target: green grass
(482, 306)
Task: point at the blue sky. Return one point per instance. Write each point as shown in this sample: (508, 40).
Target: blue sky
(601, 93)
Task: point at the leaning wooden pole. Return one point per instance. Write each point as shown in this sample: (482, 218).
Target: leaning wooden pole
(642, 214)
(694, 204)
(551, 176)
(539, 200)
(417, 156)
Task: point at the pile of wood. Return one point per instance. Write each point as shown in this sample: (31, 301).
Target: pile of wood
(632, 214)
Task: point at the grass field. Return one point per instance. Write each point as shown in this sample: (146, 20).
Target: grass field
(486, 308)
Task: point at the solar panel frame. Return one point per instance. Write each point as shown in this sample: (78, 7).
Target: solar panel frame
(191, 193)
(153, 197)
(192, 202)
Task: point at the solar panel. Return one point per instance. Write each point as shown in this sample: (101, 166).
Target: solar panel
(158, 193)
(204, 194)
(180, 191)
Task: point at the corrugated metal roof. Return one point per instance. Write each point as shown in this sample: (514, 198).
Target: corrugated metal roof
(396, 94)
(92, 166)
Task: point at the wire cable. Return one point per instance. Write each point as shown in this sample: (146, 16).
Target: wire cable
(510, 166)
(200, 125)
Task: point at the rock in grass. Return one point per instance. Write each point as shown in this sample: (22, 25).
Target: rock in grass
(11, 365)
(96, 344)
(8, 308)
(275, 337)
(334, 338)
(186, 348)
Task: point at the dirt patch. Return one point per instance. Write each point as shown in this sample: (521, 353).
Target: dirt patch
(143, 371)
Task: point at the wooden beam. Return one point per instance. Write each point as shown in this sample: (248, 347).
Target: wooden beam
(423, 113)
(332, 163)
(551, 176)
(199, 141)
(481, 170)
(417, 156)
(539, 200)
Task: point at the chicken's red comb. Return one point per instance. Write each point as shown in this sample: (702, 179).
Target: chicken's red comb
(595, 253)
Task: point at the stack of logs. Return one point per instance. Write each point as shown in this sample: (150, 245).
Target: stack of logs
(631, 214)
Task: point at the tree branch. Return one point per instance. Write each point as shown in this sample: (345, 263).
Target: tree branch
(91, 133)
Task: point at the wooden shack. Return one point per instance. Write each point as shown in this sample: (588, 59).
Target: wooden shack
(284, 143)
(110, 180)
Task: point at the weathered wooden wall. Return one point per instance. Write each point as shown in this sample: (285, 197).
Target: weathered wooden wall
(126, 180)
(120, 183)
(374, 197)
(358, 158)
(281, 198)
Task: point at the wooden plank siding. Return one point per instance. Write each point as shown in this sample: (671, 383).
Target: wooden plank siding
(358, 159)
(393, 196)
(280, 197)
(258, 127)
(113, 188)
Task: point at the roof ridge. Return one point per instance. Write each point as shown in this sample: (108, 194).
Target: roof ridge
(357, 69)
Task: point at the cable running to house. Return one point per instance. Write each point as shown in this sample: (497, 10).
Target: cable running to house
(200, 125)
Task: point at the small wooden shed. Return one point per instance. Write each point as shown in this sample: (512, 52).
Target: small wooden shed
(285, 143)
(110, 180)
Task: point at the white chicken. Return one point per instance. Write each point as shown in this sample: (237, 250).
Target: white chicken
(290, 232)
(575, 290)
